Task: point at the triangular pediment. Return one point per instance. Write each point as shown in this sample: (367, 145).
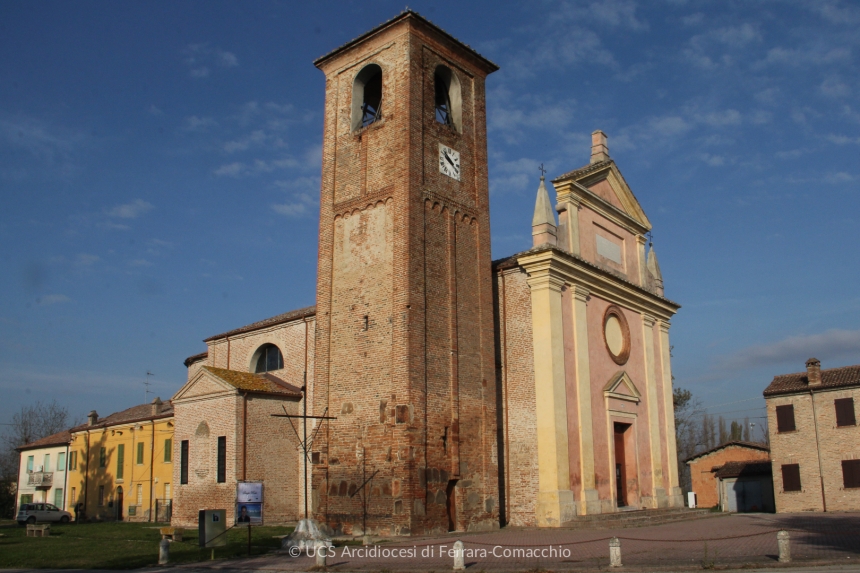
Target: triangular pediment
(603, 185)
(203, 384)
(620, 386)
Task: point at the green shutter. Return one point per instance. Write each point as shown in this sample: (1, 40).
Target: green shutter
(102, 457)
(168, 451)
(120, 459)
(140, 452)
(58, 498)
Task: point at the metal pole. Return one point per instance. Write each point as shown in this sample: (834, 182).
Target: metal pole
(305, 441)
(249, 539)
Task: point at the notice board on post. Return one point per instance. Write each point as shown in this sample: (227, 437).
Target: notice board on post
(249, 502)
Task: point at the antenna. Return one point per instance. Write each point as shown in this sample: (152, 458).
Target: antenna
(146, 392)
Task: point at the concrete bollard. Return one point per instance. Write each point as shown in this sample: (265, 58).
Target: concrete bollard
(164, 552)
(321, 551)
(615, 552)
(782, 540)
(366, 540)
(459, 556)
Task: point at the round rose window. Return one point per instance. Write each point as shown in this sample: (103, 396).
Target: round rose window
(616, 334)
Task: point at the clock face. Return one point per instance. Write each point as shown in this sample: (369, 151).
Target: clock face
(449, 162)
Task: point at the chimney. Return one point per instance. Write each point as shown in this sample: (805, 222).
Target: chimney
(599, 150)
(813, 371)
(544, 228)
(92, 418)
(156, 405)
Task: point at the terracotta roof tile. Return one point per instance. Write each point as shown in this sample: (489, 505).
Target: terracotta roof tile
(583, 170)
(798, 382)
(139, 413)
(195, 358)
(279, 319)
(743, 469)
(742, 444)
(58, 439)
(259, 383)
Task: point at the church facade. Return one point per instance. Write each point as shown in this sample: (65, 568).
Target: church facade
(444, 391)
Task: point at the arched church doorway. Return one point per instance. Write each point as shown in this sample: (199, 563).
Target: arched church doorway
(621, 466)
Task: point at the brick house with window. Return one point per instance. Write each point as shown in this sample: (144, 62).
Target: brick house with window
(814, 438)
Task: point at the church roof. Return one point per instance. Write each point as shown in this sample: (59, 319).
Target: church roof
(58, 439)
(407, 14)
(196, 358)
(258, 383)
(510, 262)
(576, 173)
(737, 443)
(279, 319)
(798, 382)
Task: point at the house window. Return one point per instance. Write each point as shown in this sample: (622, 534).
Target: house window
(785, 418)
(26, 498)
(30, 464)
(222, 459)
(140, 494)
(183, 462)
(168, 451)
(791, 477)
(61, 462)
(268, 358)
(73, 460)
(58, 497)
(120, 460)
(367, 96)
(167, 491)
(845, 412)
(46, 467)
(102, 457)
(74, 498)
(101, 495)
(140, 453)
(851, 473)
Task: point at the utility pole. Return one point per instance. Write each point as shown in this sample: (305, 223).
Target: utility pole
(146, 384)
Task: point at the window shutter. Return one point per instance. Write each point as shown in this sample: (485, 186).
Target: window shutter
(183, 461)
(785, 418)
(845, 412)
(791, 477)
(168, 450)
(222, 459)
(851, 473)
(120, 460)
(140, 452)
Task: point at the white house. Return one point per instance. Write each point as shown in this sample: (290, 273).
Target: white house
(42, 472)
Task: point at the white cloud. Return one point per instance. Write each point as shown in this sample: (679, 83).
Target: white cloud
(693, 19)
(139, 263)
(801, 57)
(842, 139)
(131, 210)
(50, 299)
(256, 137)
(839, 177)
(618, 13)
(302, 204)
(669, 125)
(194, 123)
(834, 87)
(720, 118)
(830, 344)
(153, 110)
(53, 148)
(199, 58)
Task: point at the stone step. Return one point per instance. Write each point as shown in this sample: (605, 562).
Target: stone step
(636, 518)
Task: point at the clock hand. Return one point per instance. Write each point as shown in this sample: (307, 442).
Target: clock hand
(448, 159)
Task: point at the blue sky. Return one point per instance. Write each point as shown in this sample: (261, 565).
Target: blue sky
(160, 162)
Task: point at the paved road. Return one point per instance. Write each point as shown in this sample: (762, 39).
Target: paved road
(723, 542)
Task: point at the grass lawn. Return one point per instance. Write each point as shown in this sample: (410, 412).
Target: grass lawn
(120, 546)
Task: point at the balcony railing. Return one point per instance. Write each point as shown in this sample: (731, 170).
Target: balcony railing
(41, 479)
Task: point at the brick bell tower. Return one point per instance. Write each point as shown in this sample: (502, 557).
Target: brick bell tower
(404, 341)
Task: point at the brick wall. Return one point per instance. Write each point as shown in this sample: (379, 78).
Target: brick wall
(800, 447)
(408, 248)
(702, 474)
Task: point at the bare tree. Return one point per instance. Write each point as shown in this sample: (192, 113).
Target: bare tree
(687, 431)
(32, 422)
(747, 430)
(724, 434)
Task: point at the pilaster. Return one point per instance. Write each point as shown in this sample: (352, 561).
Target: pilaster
(568, 221)
(643, 268)
(555, 499)
(653, 412)
(676, 498)
(588, 499)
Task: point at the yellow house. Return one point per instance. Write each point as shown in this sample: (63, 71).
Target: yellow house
(121, 467)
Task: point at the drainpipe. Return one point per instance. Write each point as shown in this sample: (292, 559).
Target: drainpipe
(244, 436)
(87, 476)
(151, 467)
(818, 449)
(65, 476)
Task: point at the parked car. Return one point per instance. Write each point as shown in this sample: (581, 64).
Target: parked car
(34, 512)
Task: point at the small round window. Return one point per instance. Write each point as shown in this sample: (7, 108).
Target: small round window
(616, 334)
(267, 358)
